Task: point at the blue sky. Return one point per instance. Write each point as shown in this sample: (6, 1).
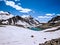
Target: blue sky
(42, 10)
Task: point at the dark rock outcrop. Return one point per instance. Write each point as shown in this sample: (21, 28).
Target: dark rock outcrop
(31, 20)
(52, 42)
(57, 18)
(55, 21)
(14, 20)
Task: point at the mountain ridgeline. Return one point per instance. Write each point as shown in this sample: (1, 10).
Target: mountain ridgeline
(9, 19)
(28, 21)
(55, 21)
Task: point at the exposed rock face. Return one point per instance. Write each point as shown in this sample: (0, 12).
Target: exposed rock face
(55, 21)
(13, 20)
(31, 21)
(8, 19)
(52, 42)
(4, 16)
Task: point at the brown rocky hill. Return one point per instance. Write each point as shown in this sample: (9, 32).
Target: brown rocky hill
(55, 21)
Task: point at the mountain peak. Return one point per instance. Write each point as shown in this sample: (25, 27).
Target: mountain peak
(5, 15)
(24, 21)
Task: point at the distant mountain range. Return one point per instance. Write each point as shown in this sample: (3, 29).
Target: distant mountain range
(8, 19)
(28, 21)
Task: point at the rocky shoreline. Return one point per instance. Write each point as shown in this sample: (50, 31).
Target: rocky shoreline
(52, 42)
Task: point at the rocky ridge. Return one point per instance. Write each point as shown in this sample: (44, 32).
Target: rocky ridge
(9, 19)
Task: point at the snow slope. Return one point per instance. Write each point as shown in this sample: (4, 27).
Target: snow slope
(25, 21)
(22, 23)
(5, 15)
(13, 35)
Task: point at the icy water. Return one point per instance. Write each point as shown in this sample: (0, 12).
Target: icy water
(35, 29)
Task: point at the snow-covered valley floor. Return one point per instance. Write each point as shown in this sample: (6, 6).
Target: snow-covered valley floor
(13, 35)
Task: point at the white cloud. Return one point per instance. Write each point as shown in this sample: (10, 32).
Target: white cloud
(44, 17)
(17, 0)
(25, 10)
(17, 7)
(19, 4)
(50, 14)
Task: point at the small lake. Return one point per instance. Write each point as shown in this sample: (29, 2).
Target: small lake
(35, 29)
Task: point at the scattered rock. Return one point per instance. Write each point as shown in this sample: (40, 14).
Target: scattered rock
(44, 38)
(32, 36)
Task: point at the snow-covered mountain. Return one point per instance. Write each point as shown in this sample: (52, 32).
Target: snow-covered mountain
(16, 35)
(5, 15)
(9, 19)
(29, 19)
(55, 21)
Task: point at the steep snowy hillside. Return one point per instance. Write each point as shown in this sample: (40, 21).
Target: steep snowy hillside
(5, 15)
(31, 20)
(13, 35)
(9, 19)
